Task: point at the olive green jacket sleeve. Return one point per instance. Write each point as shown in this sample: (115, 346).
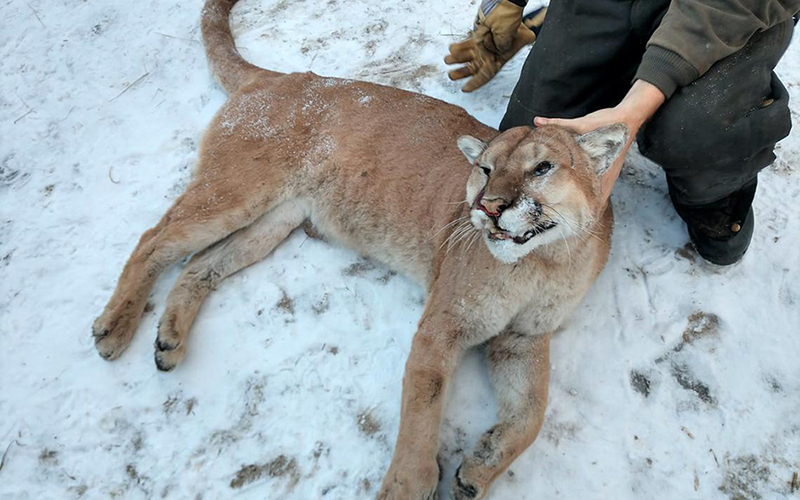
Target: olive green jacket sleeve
(694, 34)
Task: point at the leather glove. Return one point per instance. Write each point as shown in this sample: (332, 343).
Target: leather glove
(482, 63)
(502, 18)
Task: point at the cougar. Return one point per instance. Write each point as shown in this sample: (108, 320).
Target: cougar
(506, 232)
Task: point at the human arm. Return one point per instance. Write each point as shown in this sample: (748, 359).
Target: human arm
(695, 34)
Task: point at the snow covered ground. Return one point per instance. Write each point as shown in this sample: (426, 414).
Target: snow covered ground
(674, 380)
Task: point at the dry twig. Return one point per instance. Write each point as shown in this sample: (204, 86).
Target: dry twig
(192, 40)
(23, 116)
(714, 455)
(37, 15)
(131, 85)
(3, 460)
(67, 116)
(109, 175)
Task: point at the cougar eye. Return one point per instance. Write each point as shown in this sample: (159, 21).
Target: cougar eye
(542, 168)
(485, 170)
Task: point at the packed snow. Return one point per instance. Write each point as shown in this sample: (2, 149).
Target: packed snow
(675, 378)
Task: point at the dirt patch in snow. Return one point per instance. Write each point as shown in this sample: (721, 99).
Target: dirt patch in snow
(48, 457)
(280, 466)
(286, 304)
(641, 383)
(744, 478)
(368, 424)
(688, 381)
(701, 325)
(359, 268)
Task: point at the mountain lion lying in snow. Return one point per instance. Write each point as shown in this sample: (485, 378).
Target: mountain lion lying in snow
(379, 170)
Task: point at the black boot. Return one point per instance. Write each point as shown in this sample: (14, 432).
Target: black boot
(721, 231)
(724, 252)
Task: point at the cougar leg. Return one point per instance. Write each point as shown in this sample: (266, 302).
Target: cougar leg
(204, 214)
(435, 351)
(520, 371)
(209, 267)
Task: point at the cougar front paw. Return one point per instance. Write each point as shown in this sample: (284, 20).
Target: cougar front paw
(170, 345)
(410, 483)
(114, 329)
(466, 487)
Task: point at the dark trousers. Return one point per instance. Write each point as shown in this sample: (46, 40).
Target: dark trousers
(711, 137)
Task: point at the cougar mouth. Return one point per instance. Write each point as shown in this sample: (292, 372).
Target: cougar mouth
(500, 234)
(495, 232)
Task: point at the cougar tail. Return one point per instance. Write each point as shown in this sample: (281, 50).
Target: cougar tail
(227, 65)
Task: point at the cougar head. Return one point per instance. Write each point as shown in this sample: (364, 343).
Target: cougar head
(532, 186)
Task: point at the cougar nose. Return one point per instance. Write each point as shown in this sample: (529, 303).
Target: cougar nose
(493, 207)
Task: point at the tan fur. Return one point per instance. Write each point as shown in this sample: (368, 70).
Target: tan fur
(378, 169)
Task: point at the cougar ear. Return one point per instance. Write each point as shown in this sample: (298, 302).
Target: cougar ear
(471, 147)
(604, 145)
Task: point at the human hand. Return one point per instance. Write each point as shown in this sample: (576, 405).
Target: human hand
(639, 104)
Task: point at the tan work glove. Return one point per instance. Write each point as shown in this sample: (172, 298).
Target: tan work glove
(502, 20)
(482, 63)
